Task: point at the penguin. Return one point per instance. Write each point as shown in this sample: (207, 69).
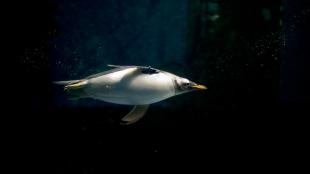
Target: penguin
(139, 86)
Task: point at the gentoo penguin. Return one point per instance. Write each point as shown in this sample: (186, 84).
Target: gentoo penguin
(130, 85)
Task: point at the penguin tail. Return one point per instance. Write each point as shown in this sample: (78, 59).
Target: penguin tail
(65, 82)
(74, 88)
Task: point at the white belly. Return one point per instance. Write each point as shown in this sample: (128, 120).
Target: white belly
(130, 87)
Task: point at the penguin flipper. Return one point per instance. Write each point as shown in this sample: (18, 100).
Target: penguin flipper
(134, 115)
(144, 69)
(115, 66)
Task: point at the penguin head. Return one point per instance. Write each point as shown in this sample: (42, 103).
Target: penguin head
(184, 85)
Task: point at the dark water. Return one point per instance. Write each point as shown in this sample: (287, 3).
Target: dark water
(252, 55)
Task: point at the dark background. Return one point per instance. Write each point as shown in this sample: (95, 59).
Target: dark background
(252, 55)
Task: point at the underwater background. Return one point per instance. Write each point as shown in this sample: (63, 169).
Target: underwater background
(252, 55)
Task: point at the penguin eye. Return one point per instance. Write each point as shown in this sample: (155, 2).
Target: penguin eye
(186, 84)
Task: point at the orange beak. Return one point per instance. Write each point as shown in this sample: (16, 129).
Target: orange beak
(199, 87)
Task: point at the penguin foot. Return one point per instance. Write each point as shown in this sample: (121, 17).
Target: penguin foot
(76, 85)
